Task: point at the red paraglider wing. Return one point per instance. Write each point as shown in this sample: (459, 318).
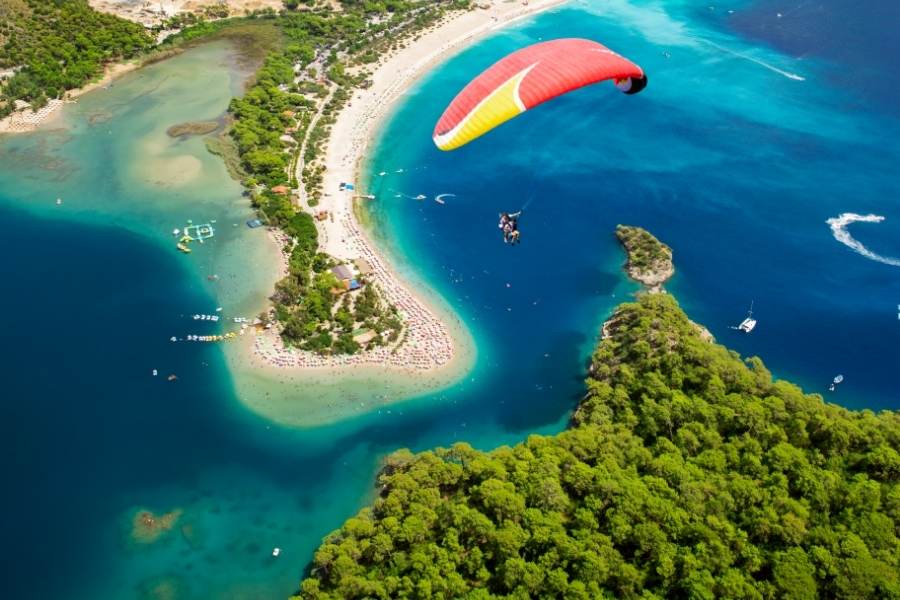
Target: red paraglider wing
(524, 79)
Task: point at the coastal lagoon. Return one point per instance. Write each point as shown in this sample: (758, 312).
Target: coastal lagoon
(736, 154)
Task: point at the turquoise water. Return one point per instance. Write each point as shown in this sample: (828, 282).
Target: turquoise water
(736, 165)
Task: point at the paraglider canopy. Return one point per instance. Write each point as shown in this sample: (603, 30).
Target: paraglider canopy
(527, 78)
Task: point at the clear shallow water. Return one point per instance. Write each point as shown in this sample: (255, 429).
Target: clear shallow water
(733, 164)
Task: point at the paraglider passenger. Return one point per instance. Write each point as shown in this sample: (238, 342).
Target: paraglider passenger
(509, 225)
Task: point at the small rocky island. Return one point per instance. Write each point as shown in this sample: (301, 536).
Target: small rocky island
(649, 260)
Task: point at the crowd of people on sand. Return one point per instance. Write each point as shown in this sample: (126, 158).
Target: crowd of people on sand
(424, 343)
(25, 119)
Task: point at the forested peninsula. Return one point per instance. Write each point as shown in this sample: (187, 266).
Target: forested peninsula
(687, 472)
(276, 143)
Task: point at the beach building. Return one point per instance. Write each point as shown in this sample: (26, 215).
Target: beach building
(363, 266)
(281, 189)
(363, 336)
(343, 273)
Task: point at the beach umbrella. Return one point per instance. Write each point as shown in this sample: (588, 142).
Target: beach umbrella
(529, 77)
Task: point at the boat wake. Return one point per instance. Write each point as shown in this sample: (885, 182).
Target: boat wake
(839, 226)
(757, 61)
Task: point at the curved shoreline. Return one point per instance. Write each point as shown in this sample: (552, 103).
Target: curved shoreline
(439, 350)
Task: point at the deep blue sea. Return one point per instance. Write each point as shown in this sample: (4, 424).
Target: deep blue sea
(755, 129)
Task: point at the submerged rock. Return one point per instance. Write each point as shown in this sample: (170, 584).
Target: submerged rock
(147, 527)
(192, 128)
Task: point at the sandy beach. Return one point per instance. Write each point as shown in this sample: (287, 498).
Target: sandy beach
(23, 121)
(437, 349)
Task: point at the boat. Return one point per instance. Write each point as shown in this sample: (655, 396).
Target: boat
(155, 372)
(276, 551)
(836, 382)
(748, 324)
(58, 201)
(176, 231)
(183, 247)
(172, 377)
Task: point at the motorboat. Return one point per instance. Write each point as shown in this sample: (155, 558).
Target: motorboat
(836, 382)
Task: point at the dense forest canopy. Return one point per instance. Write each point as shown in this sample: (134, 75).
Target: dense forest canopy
(687, 473)
(57, 45)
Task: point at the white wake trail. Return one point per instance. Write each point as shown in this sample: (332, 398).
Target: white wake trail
(757, 61)
(839, 226)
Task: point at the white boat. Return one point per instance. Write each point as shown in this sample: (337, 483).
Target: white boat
(276, 551)
(748, 324)
(837, 381)
(176, 231)
(155, 372)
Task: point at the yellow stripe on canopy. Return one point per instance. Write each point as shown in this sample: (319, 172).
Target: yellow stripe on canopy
(500, 106)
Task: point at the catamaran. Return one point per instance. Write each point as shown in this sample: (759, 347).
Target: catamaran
(748, 324)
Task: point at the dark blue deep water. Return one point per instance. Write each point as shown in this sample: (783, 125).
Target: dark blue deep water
(753, 132)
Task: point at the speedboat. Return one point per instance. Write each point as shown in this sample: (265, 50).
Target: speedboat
(837, 381)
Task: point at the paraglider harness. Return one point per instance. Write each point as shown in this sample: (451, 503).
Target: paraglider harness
(509, 225)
